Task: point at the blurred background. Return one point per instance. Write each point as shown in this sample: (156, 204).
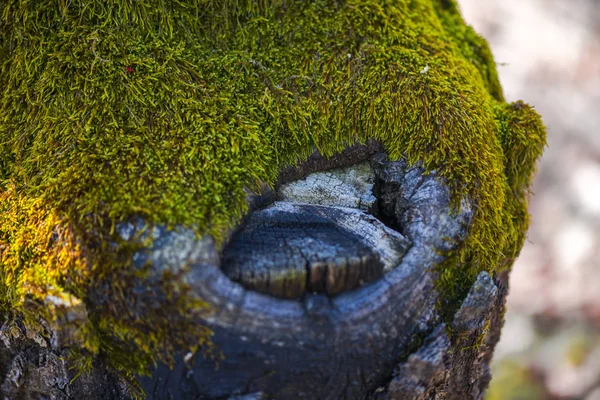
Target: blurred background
(548, 54)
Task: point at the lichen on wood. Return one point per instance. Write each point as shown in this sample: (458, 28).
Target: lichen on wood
(168, 111)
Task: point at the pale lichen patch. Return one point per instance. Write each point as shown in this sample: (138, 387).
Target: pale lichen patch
(344, 187)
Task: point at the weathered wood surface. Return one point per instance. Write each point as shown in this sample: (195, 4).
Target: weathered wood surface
(381, 339)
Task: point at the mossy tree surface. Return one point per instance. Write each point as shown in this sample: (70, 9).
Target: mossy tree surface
(166, 110)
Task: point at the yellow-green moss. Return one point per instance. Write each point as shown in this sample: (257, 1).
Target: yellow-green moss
(167, 110)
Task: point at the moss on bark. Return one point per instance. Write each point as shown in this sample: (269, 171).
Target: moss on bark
(167, 110)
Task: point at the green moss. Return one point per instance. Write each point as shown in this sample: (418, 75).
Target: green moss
(167, 110)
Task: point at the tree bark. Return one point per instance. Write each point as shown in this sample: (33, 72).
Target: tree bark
(384, 340)
(435, 368)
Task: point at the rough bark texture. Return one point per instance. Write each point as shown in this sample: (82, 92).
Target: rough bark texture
(434, 368)
(33, 367)
(383, 340)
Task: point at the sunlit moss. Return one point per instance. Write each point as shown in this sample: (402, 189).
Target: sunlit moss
(167, 110)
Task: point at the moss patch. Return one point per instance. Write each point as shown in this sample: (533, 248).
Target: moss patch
(167, 110)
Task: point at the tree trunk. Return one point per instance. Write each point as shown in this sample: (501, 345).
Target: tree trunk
(383, 340)
(351, 277)
(436, 367)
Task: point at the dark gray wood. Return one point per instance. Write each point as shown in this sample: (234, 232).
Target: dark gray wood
(287, 253)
